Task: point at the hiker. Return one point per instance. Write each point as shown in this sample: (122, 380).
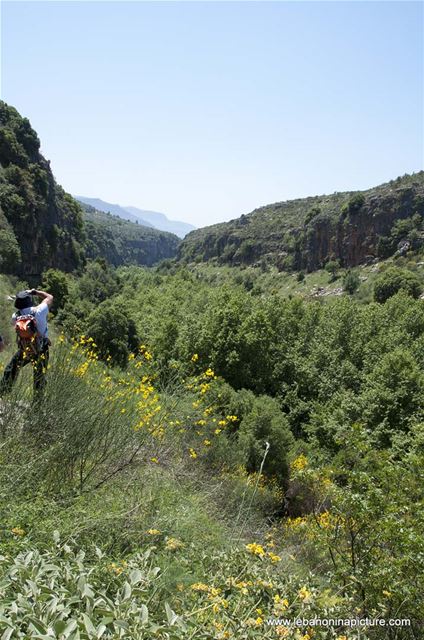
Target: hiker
(32, 337)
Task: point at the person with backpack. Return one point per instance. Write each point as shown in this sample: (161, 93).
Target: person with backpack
(32, 338)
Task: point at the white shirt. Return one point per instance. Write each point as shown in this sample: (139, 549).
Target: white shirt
(40, 312)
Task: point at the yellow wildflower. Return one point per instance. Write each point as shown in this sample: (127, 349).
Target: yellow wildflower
(195, 357)
(199, 586)
(274, 557)
(17, 531)
(255, 549)
(192, 453)
(155, 460)
(300, 463)
(303, 593)
(172, 544)
(153, 532)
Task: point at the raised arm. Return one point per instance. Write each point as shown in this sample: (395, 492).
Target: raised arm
(47, 297)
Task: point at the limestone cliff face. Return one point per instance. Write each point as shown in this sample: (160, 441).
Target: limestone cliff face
(46, 222)
(353, 238)
(353, 227)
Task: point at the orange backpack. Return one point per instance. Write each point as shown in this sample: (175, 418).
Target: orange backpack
(27, 335)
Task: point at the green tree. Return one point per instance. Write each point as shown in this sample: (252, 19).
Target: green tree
(351, 282)
(266, 424)
(98, 282)
(332, 267)
(55, 282)
(394, 280)
(112, 331)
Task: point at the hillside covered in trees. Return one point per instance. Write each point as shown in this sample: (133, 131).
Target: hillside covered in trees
(42, 226)
(305, 234)
(121, 242)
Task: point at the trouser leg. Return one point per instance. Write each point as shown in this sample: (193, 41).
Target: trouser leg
(40, 368)
(11, 371)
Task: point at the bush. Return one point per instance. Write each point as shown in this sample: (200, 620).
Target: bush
(394, 280)
(351, 282)
(113, 332)
(332, 267)
(56, 283)
(266, 424)
(353, 205)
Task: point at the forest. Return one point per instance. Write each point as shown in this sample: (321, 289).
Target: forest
(212, 453)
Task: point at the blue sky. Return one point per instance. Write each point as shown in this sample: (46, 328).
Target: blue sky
(206, 110)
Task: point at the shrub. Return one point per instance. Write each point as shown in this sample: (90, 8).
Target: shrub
(394, 280)
(332, 267)
(266, 424)
(56, 283)
(112, 331)
(351, 282)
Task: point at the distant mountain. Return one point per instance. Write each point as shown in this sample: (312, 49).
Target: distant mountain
(304, 234)
(160, 221)
(115, 209)
(140, 216)
(122, 243)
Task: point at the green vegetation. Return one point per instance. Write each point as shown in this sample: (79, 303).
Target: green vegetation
(307, 233)
(394, 280)
(219, 457)
(121, 242)
(217, 445)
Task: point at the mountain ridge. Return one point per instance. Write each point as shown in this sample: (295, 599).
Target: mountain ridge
(304, 234)
(145, 217)
(122, 242)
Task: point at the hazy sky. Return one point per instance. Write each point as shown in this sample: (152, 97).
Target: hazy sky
(206, 110)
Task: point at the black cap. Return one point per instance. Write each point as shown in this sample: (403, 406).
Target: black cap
(23, 300)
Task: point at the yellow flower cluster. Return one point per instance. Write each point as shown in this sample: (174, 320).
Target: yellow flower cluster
(299, 463)
(303, 593)
(117, 569)
(144, 352)
(199, 586)
(256, 549)
(153, 532)
(325, 520)
(17, 531)
(172, 544)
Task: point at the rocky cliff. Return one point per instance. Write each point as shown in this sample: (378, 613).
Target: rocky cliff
(304, 234)
(46, 223)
